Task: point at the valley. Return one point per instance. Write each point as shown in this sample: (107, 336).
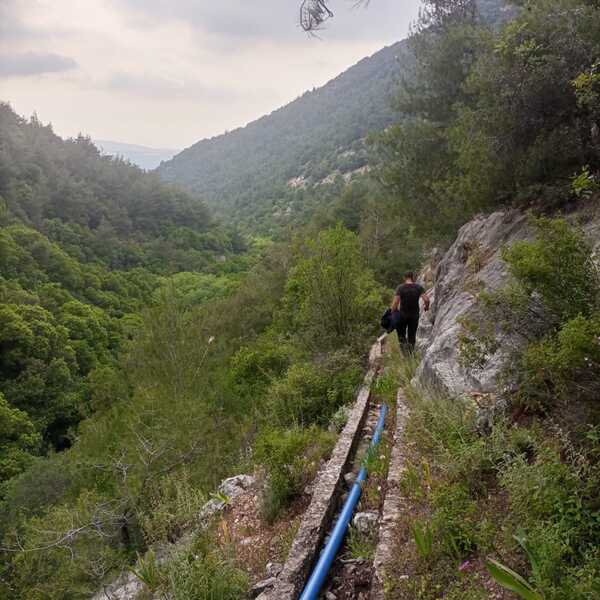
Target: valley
(185, 379)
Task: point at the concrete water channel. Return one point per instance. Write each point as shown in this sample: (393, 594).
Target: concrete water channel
(349, 576)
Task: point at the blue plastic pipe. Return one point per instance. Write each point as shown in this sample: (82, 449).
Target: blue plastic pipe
(319, 573)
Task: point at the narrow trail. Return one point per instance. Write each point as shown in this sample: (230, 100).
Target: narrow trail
(358, 571)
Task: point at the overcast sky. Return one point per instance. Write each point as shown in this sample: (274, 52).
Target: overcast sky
(166, 73)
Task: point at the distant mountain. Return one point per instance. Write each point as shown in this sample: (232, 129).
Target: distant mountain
(142, 156)
(263, 173)
(245, 173)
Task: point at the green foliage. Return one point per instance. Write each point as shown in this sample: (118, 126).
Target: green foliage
(331, 298)
(545, 320)
(553, 501)
(190, 289)
(204, 573)
(454, 520)
(360, 545)
(512, 581)
(558, 266)
(18, 441)
(423, 536)
(170, 505)
(245, 173)
(312, 393)
(584, 184)
(494, 116)
(148, 571)
(291, 458)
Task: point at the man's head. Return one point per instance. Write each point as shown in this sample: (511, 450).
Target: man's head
(409, 277)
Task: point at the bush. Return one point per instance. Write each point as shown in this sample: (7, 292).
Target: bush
(204, 573)
(558, 266)
(311, 393)
(555, 504)
(291, 459)
(454, 520)
(332, 299)
(545, 321)
(169, 505)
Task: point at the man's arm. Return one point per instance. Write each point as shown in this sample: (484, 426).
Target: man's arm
(396, 302)
(426, 301)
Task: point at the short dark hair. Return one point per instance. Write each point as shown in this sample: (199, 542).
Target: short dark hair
(409, 275)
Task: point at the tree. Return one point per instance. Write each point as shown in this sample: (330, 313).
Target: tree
(331, 296)
(19, 441)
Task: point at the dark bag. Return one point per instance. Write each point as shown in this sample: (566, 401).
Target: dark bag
(389, 320)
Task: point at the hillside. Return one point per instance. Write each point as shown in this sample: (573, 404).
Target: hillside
(270, 173)
(85, 242)
(246, 171)
(180, 416)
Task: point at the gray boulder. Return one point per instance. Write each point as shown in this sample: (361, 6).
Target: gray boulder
(234, 486)
(366, 522)
(473, 263)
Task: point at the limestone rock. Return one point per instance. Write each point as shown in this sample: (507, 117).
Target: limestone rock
(365, 522)
(234, 486)
(126, 587)
(473, 263)
(273, 569)
(262, 586)
(350, 478)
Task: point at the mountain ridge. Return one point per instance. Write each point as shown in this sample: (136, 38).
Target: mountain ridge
(245, 172)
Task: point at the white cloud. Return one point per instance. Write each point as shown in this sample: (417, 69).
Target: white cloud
(169, 72)
(23, 64)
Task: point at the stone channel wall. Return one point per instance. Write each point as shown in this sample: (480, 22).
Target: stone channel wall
(326, 495)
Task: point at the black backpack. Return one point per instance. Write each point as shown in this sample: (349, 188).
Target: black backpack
(388, 321)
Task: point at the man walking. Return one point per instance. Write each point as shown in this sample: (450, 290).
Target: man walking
(406, 301)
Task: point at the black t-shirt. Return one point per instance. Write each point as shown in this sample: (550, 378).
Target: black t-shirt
(409, 297)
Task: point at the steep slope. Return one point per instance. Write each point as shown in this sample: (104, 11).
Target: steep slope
(263, 173)
(247, 169)
(85, 240)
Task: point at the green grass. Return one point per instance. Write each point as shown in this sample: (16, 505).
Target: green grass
(471, 493)
(360, 545)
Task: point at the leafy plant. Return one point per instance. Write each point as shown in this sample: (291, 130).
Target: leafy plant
(360, 545)
(291, 458)
(423, 536)
(148, 571)
(511, 580)
(584, 184)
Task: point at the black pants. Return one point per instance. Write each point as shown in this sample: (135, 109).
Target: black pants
(407, 323)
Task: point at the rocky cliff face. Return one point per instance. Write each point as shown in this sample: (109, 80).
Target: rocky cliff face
(473, 263)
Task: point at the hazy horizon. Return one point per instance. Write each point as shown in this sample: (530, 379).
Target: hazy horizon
(164, 75)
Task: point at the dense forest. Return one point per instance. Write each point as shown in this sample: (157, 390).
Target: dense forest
(245, 172)
(148, 350)
(86, 243)
(276, 171)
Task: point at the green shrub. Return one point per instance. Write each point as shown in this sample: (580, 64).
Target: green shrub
(546, 321)
(204, 573)
(555, 502)
(454, 520)
(169, 505)
(256, 366)
(584, 184)
(558, 266)
(290, 458)
(423, 536)
(312, 393)
(332, 299)
(360, 545)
